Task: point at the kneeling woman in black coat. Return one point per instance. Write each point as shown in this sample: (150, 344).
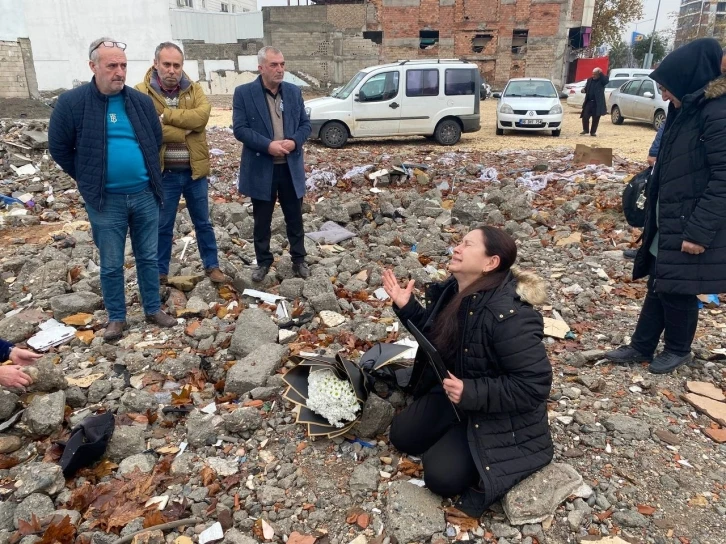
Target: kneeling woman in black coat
(482, 322)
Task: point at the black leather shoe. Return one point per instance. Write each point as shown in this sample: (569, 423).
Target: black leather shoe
(667, 361)
(161, 319)
(626, 354)
(630, 253)
(114, 330)
(301, 270)
(259, 274)
(583, 133)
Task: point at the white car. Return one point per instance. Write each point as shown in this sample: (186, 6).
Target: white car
(577, 100)
(438, 98)
(573, 88)
(530, 104)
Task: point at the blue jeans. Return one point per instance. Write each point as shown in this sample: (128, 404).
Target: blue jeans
(137, 214)
(195, 191)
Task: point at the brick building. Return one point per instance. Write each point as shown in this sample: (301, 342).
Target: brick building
(700, 19)
(507, 38)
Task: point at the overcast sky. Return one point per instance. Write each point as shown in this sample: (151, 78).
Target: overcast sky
(664, 22)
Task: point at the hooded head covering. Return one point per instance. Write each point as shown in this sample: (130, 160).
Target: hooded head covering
(690, 67)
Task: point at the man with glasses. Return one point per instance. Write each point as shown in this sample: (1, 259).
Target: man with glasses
(183, 111)
(107, 136)
(269, 119)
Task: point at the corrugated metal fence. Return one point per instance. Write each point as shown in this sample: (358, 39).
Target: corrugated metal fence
(215, 27)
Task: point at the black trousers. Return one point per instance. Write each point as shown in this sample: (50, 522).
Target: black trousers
(429, 428)
(588, 111)
(284, 191)
(674, 315)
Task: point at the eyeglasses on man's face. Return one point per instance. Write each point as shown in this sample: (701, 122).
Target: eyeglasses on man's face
(120, 45)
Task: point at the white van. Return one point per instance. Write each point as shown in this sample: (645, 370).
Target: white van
(438, 98)
(629, 73)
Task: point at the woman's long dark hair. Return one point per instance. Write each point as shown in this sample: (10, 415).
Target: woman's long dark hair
(496, 242)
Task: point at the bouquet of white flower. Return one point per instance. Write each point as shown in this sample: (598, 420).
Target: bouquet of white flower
(332, 398)
(328, 393)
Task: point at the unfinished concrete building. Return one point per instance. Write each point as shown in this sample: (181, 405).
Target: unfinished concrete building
(701, 19)
(506, 38)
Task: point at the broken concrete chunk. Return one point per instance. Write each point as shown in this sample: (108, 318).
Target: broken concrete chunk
(537, 497)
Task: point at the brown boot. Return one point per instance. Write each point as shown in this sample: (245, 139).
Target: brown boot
(114, 330)
(216, 275)
(161, 319)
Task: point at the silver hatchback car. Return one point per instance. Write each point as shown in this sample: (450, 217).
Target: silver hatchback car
(640, 100)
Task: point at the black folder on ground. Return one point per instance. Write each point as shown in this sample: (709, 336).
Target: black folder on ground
(433, 357)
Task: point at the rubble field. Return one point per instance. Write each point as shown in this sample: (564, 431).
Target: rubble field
(205, 444)
(631, 140)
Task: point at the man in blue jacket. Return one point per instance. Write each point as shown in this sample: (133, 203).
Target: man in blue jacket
(107, 137)
(273, 133)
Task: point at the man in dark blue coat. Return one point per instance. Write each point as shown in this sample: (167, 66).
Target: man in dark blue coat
(684, 238)
(269, 119)
(107, 137)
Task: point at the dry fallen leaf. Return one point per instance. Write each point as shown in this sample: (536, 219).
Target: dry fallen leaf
(153, 519)
(208, 475)
(409, 468)
(63, 532)
(31, 527)
(460, 519)
(184, 397)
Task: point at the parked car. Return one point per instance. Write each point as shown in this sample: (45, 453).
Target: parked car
(577, 100)
(629, 73)
(640, 100)
(573, 88)
(438, 98)
(530, 104)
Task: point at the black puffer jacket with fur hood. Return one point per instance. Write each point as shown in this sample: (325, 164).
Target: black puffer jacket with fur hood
(689, 180)
(507, 378)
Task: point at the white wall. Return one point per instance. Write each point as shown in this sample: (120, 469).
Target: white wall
(61, 31)
(234, 6)
(12, 21)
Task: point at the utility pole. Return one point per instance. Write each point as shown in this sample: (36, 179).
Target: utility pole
(648, 60)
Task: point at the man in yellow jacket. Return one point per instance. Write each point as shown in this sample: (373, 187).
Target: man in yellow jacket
(184, 112)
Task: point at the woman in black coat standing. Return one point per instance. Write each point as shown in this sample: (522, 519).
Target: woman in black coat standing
(482, 322)
(684, 239)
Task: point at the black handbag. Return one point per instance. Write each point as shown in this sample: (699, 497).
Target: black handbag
(634, 197)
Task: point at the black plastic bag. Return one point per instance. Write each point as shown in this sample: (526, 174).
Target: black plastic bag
(87, 443)
(634, 197)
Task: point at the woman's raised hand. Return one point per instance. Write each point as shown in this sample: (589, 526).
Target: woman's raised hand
(399, 295)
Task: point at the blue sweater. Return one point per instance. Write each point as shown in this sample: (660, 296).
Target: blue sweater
(77, 138)
(5, 348)
(125, 168)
